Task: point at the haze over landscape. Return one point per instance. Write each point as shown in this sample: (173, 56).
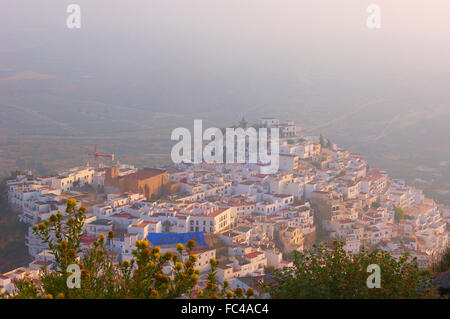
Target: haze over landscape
(136, 70)
(340, 189)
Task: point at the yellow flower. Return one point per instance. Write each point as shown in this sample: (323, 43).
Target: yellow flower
(180, 246)
(111, 234)
(145, 243)
(71, 202)
(193, 258)
(49, 296)
(168, 255)
(146, 252)
(154, 293)
(157, 255)
(60, 296)
(157, 248)
(200, 292)
(126, 263)
(102, 237)
(179, 265)
(250, 292)
(229, 293)
(213, 262)
(194, 276)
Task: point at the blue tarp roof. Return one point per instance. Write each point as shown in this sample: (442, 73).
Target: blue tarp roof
(171, 239)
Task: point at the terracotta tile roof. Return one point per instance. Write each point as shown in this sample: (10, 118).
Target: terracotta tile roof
(253, 254)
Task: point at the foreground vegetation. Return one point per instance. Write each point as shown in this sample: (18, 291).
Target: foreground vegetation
(318, 273)
(13, 252)
(325, 273)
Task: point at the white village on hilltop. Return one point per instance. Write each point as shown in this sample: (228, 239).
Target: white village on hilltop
(247, 220)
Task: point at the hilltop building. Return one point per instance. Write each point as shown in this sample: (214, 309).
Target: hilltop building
(148, 181)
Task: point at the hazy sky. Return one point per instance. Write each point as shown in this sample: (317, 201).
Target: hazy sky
(139, 68)
(414, 33)
(262, 48)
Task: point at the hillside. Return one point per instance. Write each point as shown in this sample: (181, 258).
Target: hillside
(13, 252)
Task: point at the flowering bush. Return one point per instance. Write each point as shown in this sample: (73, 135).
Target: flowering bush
(325, 273)
(101, 277)
(214, 291)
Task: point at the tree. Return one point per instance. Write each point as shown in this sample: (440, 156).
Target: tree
(101, 277)
(290, 142)
(322, 141)
(154, 197)
(213, 291)
(317, 165)
(375, 204)
(443, 264)
(13, 252)
(399, 214)
(332, 273)
(243, 123)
